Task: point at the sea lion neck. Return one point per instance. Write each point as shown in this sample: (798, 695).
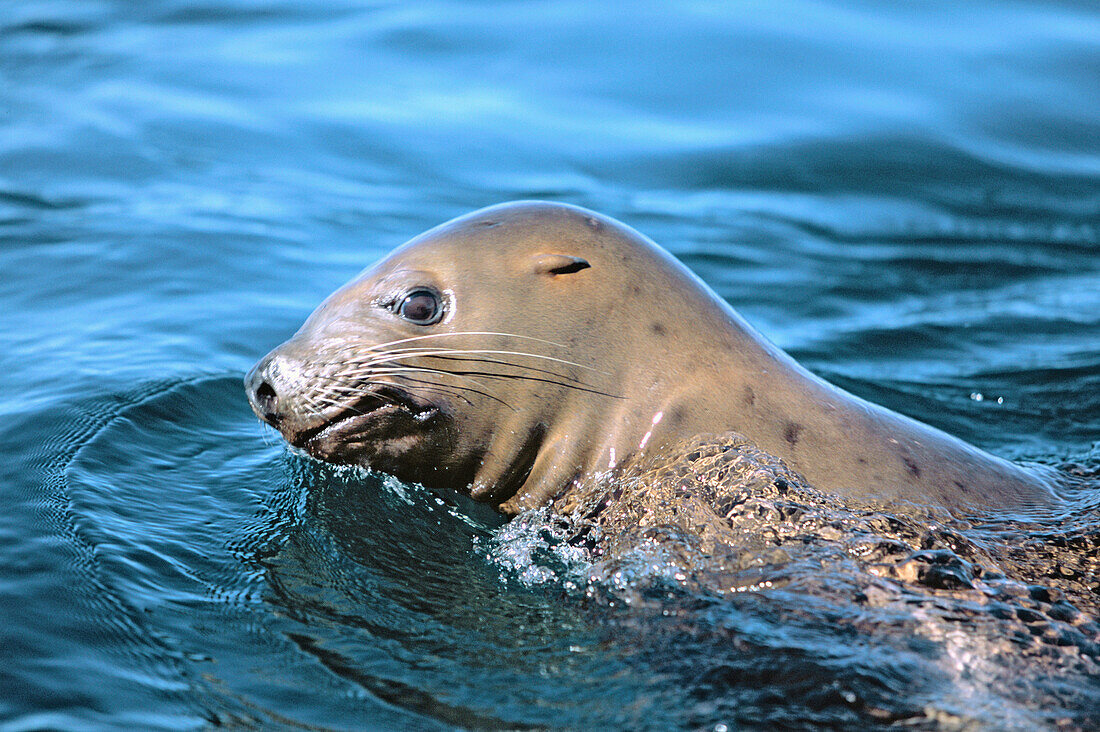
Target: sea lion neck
(843, 444)
(663, 397)
(737, 381)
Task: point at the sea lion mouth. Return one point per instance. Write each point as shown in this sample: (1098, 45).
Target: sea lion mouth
(384, 413)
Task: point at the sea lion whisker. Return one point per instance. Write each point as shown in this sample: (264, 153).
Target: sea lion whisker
(578, 385)
(457, 390)
(311, 405)
(464, 333)
(487, 351)
(516, 365)
(341, 387)
(345, 386)
(364, 366)
(351, 390)
(344, 406)
(366, 373)
(461, 357)
(266, 436)
(428, 387)
(522, 377)
(356, 380)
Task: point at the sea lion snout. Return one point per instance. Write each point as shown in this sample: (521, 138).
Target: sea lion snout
(319, 394)
(277, 390)
(262, 394)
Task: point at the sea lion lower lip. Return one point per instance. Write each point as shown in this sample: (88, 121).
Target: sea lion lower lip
(357, 416)
(342, 420)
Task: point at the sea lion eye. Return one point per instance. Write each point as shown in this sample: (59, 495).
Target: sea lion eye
(421, 307)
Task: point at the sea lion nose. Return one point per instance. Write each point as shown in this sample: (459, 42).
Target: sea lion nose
(262, 395)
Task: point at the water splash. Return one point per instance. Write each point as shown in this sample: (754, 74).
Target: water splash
(715, 538)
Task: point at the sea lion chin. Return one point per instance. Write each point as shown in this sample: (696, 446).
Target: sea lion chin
(361, 435)
(513, 350)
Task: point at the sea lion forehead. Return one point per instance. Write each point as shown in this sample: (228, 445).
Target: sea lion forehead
(531, 228)
(540, 218)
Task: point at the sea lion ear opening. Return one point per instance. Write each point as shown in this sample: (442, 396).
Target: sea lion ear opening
(559, 264)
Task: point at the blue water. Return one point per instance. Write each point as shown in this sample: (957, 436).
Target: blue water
(904, 197)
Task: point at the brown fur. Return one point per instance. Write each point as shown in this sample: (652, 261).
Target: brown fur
(611, 374)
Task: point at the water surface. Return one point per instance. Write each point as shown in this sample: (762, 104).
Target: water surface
(906, 199)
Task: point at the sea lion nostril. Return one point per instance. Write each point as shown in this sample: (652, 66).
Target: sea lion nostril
(267, 400)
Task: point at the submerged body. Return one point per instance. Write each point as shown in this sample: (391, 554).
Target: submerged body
(514, 350)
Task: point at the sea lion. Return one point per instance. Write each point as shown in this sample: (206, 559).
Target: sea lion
(518, 348)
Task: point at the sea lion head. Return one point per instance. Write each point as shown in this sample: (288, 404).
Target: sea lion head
(503, 353)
